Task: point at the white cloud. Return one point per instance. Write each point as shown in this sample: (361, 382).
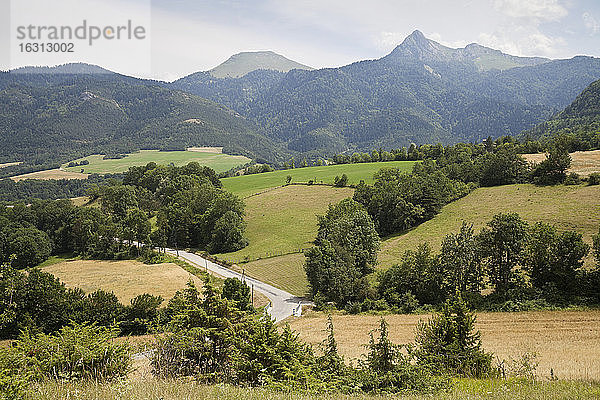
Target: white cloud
(544, 10)
(523, 41)
(591, 23)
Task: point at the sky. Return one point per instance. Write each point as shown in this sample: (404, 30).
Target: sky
(185, 36)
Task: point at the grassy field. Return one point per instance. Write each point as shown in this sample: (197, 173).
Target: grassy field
(567, 207)
(282, 221)
(176, 390)
(50, 174)
(582, 162)
(249, 184)
(216, 160)
(126, 279)
(566, 341)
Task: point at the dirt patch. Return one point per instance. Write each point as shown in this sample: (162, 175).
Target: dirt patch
(50, 174)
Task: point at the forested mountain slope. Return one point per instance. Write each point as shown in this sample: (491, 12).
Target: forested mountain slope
(421, 92)
(581, 118)
(57, 117)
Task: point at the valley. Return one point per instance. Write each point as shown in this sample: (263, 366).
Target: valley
(404, 218)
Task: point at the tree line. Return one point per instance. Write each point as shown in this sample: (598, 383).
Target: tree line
(188, 204)
(525, 266)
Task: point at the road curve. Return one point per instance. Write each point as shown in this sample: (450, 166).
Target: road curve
(283, 304)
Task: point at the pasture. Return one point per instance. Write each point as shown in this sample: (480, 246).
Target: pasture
(566, 341)
(127, 279)
(247, 185)
(567, 207)
(282, 221)
(214, 159)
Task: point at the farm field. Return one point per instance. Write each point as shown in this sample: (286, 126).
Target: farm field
(246, 185)
(582, 162)
(566, 341)
(281, 221)
(127, 279)
(285, 272)
(50, 174)
(567, 207)
(10, 164)
(214, 159)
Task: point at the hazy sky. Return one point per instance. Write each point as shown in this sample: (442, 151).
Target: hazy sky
(191, 35)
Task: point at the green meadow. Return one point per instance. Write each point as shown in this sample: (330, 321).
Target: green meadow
(217, 161)
(246, 185)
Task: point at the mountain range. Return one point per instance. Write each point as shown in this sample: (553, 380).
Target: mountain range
(271, 108)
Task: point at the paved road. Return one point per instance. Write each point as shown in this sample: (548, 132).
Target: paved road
(283, 304)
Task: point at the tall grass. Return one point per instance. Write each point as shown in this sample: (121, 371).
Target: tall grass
(183, 390)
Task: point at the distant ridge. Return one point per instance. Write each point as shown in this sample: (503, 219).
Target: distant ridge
(71, 68)
(417, 46)
(240, 64)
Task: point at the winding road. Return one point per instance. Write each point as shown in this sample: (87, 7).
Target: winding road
(283, 304)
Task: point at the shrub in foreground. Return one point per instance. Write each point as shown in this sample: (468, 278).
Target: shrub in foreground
(75, 352)
(448, 343)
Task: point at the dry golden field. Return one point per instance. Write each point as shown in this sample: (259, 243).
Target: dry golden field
(582, 162)
(566, 341)
(50, 174)
(126, 279)
(10, 164)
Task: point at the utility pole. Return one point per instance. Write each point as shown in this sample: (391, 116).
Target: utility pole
(253, 295)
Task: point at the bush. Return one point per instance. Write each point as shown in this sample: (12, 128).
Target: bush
(12, 386)
(572, 179)
(447, 343)
(594, 179)
(387, 369)
(75, 352)
(340, 181)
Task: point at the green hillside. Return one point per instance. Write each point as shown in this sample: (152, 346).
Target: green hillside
(48, 118)
(568, 207)
(283, 220)
(246, 185)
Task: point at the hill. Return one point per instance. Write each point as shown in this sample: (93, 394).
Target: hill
(566, 207)
(422, 92)
(57, 117)
(581, 117)
(240, 64)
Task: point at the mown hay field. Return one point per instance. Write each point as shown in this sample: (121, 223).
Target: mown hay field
(127, 278)
(247, 185)
(50, 174)
(214, 159)
(568, 342)
(582, 162)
